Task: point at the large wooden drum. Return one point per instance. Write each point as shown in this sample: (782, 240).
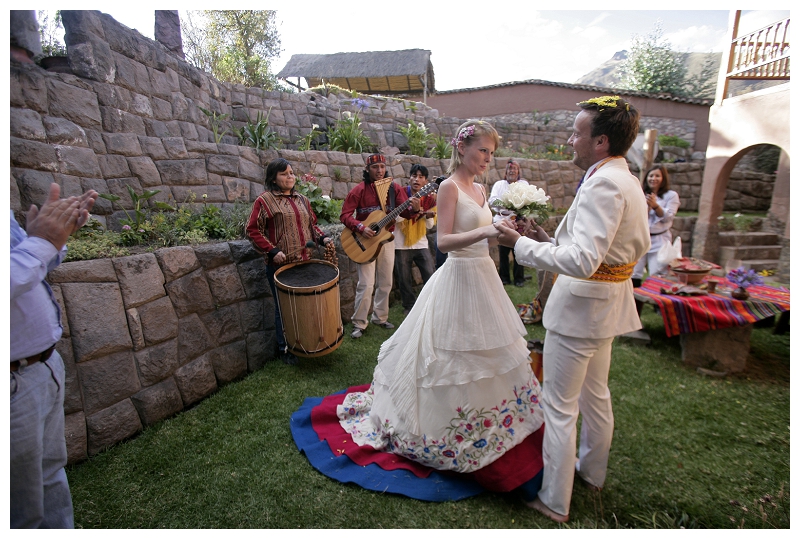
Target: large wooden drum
(308, 296)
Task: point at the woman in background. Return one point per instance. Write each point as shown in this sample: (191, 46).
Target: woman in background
(662, 205)
(280, 225)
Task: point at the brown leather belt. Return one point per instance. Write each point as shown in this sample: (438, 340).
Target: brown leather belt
(44, 356)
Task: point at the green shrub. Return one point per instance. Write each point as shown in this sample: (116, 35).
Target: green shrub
(671, 140)
(347, 135)
(325, 208)
(441, 148)
(418, 138)
(258, 134)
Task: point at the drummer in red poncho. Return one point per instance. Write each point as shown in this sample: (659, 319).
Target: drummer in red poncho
(280, 225)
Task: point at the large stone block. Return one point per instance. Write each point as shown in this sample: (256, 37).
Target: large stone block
(163, 83)
(223, 324)
(176, 148)
(224, 165)
(177, 261)
(193, 338)
(33, 187)
(126, 144)
(213, 255)
(156, 363)
(64, 132)
(261, 347)
(27, 124)
(97, 320)
(107, 380)
(229, 362)
(35, 155)
(159, 321)
(236, 189)
(119, 121)
(253, 278)
(190, 294)
(84, 271)
(112, 425)
(140, 279)
(158, 402)
(75, 436)
(183, 172)
(72, 386)
(153, 148)
(145, 170)
(135, 328)
(28, 87)
(722, 350)
(226, 287)
(257, 314)
(196, 380)
(251, 171)
(74, 104)
(77, 161)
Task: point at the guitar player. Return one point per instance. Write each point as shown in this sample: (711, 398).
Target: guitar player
(360, 202)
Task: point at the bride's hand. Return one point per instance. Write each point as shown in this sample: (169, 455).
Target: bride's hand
(489, 231)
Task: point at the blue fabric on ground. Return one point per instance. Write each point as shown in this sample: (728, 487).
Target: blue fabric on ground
(437, 487)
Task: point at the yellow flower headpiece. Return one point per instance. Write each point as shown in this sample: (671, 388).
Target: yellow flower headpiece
(604, 101)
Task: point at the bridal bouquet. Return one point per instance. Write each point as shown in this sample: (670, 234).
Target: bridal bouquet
(526, 201)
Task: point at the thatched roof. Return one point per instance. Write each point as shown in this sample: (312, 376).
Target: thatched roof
(383, 72)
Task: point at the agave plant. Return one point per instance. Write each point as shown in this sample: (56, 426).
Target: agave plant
(258, 134)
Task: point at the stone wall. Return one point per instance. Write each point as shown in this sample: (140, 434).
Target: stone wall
(148, 335)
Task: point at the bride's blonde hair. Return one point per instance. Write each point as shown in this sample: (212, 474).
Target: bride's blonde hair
(467, 133)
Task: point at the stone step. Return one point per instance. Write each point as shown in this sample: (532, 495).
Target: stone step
(748, 252)
(734, 239)
(759, 265)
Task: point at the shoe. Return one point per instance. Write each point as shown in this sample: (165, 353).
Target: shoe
(546, 511)
(357, 333)
(505, 282)
(288, 358)
(385, 325)
(519, 284)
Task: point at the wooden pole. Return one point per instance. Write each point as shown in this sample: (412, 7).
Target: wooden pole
(650, 136)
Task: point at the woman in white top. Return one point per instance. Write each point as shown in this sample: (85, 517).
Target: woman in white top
(662, 205)
(453, 388)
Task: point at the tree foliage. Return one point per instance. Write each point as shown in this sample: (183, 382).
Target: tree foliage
(653, 67)
(235, 46)
(51, 33)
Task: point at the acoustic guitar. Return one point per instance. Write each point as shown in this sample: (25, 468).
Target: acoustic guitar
(362, 250)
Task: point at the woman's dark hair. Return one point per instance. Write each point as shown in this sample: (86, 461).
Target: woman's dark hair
(664, 187)
(419, 168)
(615, 118)
(278, 165)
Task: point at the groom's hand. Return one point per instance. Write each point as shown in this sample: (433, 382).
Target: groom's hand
(508, 234)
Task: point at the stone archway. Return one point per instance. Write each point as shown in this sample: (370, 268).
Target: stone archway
(737, 125)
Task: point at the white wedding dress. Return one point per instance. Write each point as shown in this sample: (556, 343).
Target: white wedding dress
(453, 388)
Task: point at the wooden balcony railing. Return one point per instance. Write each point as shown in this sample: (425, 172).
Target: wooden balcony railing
(762, 54)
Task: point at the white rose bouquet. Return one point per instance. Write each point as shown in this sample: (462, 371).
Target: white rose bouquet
(526, 201)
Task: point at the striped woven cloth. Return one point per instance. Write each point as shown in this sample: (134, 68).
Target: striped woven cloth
(690, 314)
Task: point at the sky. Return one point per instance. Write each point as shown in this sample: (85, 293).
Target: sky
(480, 44)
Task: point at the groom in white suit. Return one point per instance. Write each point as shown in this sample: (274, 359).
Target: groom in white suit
(593, 252)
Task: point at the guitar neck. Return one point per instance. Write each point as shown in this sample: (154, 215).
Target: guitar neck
(392, 215)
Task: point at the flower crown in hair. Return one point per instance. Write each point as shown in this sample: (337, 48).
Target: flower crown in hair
(604, 101)
(464, 134)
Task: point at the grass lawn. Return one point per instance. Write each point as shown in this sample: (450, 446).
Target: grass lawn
(688, 451)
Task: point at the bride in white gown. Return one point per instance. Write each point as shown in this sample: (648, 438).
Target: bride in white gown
(453, 388)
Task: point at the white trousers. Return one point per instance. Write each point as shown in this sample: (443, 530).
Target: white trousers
(374, 275)
(575, 381)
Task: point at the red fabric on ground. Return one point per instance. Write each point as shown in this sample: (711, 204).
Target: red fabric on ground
(515, 467)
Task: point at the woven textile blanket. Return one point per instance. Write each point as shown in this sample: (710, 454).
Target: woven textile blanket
(690, 314)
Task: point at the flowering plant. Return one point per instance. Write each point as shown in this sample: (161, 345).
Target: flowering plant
(526, 201)
(743, 278)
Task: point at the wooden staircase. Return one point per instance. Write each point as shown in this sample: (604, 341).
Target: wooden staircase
(759, 250)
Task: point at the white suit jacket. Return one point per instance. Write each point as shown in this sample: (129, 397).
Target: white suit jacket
(607, 222)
